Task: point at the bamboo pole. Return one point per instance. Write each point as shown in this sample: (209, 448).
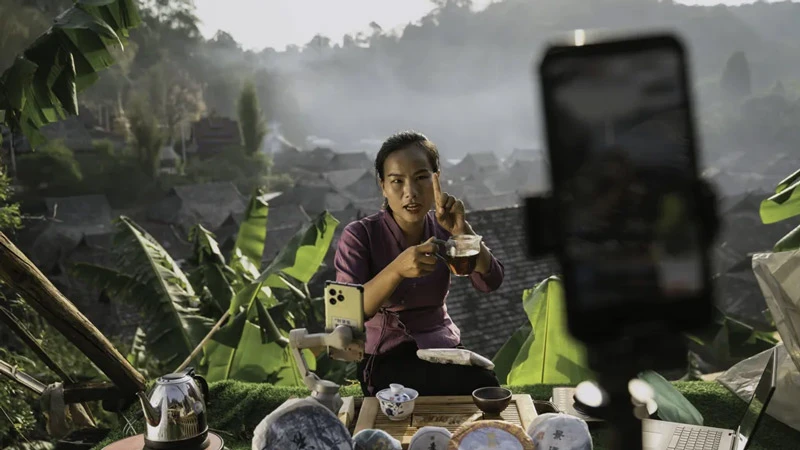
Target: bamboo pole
(23, 334)
(202, 343)
(27, 338)
(22, 378)
(21, 274)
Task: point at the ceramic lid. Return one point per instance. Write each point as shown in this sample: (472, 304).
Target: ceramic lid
(430, 438)
(486, 434)
(396, 393)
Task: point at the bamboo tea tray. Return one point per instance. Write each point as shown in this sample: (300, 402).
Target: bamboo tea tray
(448, 412)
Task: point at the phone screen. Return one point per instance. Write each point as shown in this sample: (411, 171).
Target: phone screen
(621, 155)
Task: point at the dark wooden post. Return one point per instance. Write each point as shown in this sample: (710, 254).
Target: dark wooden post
(21, 274)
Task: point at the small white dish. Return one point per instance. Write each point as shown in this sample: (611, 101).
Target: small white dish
(430, 437)
(397, 402)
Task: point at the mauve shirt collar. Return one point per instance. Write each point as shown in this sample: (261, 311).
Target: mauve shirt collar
(394, 228)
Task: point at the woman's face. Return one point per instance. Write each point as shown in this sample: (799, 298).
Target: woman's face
(408, 184)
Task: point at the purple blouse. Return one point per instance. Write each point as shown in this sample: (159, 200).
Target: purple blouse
(416, 310)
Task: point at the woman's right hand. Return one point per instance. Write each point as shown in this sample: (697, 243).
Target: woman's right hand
(418, 260)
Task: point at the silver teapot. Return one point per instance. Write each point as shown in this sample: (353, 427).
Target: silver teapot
(175, 411)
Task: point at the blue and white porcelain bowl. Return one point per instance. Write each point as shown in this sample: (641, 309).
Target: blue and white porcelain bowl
(397, 402)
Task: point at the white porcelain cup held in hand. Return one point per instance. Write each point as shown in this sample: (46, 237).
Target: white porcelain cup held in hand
(397, 402)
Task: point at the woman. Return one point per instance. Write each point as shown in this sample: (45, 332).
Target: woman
(391, 253)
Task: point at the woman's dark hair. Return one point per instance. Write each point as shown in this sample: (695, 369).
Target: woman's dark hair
(399, 141)
(405, 139)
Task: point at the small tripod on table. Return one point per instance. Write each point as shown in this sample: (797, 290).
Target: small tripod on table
(343, 344)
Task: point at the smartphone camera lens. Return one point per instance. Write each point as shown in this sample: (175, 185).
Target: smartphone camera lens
(340, 297)
(332, 301)
(332, 292)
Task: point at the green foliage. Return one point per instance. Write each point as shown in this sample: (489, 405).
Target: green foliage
(548, 354)
(20, 403)
(782, 205)
(729, 341)
(148, 138)
(149, 279)
(178, 310)
(52, 169)
(247, 172)
(16, 417)
(672, 406)
(250, 347)
(251, 119)
(9, 212)
(252, 233)
(41, 85)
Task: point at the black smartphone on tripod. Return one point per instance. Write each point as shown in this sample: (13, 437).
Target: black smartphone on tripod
(630, 214)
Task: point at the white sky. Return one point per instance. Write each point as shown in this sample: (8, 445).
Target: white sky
(257, 24)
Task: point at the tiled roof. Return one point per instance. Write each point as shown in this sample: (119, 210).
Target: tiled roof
(79, 210)
(314, 199)
(366, 187)
(72, 131)
(352, 160)
(483, 202)
(523, 154)
(341, 179)
(207, 203)
(488, 320)
(213, 134)
(485, 159)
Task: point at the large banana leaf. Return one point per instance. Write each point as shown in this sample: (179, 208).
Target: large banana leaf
(505, 357)
(252, 232)
(237, 351)
(785, 203)
(210, 270)
(672, 405)
(242, 351)
(729, 341)
(300, 259)
(550, 355)
(41, 85)
(148, 278)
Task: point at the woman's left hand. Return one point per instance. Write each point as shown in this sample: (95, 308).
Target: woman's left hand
(449, 210)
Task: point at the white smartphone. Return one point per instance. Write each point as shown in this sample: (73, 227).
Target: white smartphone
(344, 305)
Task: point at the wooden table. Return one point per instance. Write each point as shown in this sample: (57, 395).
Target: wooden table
(447, 412)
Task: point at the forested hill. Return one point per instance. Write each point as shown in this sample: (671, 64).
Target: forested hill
(463, 77)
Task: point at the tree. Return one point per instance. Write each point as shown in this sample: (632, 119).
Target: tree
(180, 306)
(175, 97)
(41, 85)
(148, 137)
(251, 119)
(52, 168)
(736, 78)
(9, 212)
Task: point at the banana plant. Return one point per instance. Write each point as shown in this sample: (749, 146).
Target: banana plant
(252, 345)
(42, 84)
(542, 350)
(782, 205)
(147, 277)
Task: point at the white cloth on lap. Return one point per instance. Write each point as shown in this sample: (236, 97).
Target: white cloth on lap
(459, 356)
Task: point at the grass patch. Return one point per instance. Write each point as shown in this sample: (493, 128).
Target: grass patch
(236, 408)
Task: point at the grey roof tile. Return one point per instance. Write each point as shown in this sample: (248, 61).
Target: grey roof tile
(488, 320)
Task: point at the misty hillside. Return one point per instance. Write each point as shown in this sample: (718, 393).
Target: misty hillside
(462, 77)
(465, 78)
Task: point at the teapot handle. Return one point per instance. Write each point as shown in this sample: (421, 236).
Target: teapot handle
(203, 387)
(199, 380)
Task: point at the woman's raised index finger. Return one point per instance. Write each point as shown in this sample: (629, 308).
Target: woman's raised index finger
(437, 189)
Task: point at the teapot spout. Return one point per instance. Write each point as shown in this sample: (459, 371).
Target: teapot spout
(152, 415)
